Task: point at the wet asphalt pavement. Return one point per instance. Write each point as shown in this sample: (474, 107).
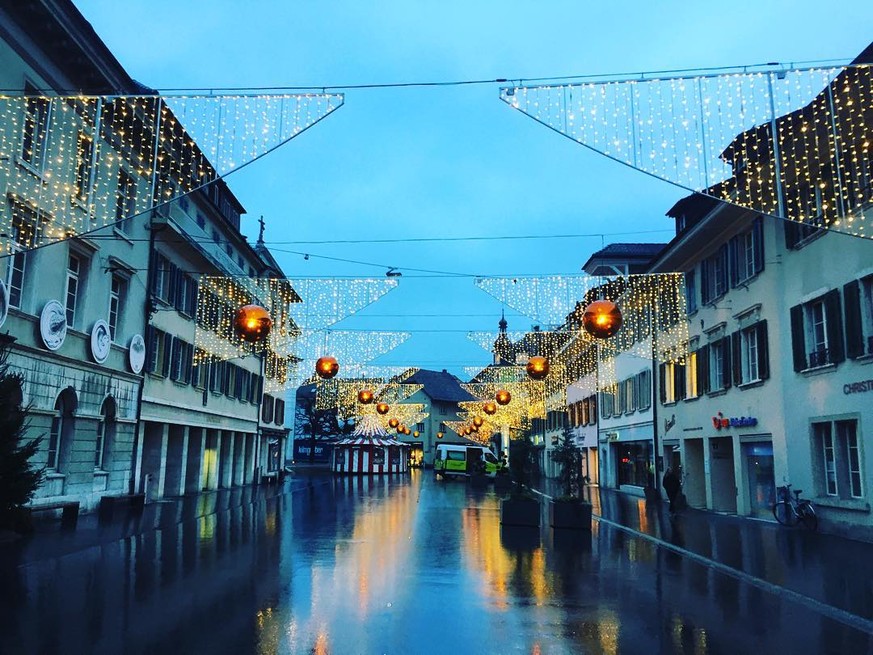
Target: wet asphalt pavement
(410, 565)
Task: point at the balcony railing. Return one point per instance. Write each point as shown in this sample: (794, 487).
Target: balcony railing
(819, 358)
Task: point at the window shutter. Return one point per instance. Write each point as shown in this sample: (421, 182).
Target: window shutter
(758, 237)
(151, 349)
(662, 382)
(168, 351)
(703, 369)
(736, 359)
(798, 340)
(726, 363)
(854, 338)
(680, 381)
(763, 350)
(704, 282)
(733, 263)
(792, 236)
(592, 411)
(835, 326)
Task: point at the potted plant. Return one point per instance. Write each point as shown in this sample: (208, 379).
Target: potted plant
(569, 510)
(521, 507)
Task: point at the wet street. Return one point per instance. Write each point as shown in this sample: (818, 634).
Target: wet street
(386, 565)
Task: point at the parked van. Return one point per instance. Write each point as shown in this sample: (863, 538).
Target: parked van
(461, 460)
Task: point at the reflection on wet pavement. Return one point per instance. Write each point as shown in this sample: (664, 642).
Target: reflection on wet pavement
(388, 565)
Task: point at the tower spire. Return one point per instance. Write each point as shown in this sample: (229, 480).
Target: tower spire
(261, 234)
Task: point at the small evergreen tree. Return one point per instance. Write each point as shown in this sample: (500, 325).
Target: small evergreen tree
(18, 479)
(568, 455)
(520, 464)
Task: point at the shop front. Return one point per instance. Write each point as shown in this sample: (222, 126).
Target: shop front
(630, 457)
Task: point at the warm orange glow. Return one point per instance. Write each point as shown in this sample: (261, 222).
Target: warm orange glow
(478, 421)
(382, 408)
(326, 367)
(602, 319)
(415, 434)
(537, 367)
(439, 435)
(365, 396)
(489, 408)
(474, 428)
(503, 397)
(393, 423)
(252, 323)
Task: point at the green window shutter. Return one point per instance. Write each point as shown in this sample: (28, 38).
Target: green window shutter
(798, 341)
(834, 326)
(854, 335)
(703, 370)
(737, 358)
(763, 350)
(726, 363)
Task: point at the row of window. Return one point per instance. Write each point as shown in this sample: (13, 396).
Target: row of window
(735, 262)
(172, 357)
(173, 286)
(628, 396)
(740, 358)
(583, 412)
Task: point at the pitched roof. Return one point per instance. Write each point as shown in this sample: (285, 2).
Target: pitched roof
(440, 385)
(630, 250)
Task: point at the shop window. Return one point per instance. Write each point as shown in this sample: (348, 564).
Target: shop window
(817, 332)
(633, 463)
(837, 453)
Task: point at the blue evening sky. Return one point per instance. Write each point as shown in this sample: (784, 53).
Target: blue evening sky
(450, 161)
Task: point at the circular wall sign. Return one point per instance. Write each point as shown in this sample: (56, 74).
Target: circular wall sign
(136, 353)
(53, 325)
(101, 341)
(4, 302)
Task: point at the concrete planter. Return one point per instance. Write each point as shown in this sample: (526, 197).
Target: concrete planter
(520, 511)
(502, 484)
(570, 514)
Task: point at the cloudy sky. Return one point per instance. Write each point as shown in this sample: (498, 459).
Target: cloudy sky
(412, 163)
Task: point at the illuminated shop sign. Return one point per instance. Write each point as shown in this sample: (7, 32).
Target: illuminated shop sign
(721, 421)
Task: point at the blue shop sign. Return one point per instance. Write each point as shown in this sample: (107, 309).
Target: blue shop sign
(720, 421)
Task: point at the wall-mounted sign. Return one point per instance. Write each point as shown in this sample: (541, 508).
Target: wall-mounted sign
(136, 353)
(4, 302)
(720, 421)
(852, 387)
(101, 341)
(53, 325)
(611, 436)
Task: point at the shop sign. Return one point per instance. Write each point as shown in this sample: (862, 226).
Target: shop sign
(858, 387)
(612, 436)
(721, 422)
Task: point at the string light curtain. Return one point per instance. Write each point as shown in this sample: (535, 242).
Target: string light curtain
(793, 143)
(73, 164)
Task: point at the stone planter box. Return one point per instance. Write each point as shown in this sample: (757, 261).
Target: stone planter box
(571, 515)
(502, 484)
(520, 511)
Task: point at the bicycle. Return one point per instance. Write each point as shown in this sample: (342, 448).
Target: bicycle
(791, 511)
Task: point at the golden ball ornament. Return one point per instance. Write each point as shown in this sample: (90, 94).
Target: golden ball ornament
(365, 396)
(478, 421)
(489, 408)
(252, 323)
(474, 428)
(503, 397)
(415, 434)
(602, 319)
(393, 423)
(439, 435)
(382, 408)
(537, 367)
(326, 367)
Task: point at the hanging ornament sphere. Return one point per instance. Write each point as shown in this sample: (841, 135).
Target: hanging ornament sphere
(326, 367)
(503, 397)
(537, 368)
(602, 319)
(415, 434)
(489, 408)
(252, 323)
(439, 435)
(478, 421)
(474, 428)
(365, 396)
(393, 422)
(382, 408)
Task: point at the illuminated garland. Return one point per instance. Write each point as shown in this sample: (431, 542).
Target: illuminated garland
(72, 164)
(328, 301)
(715, 134)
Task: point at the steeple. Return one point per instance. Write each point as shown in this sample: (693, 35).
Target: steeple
(502, 324)
(261, 234)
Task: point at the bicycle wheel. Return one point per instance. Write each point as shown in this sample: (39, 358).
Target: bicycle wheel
(785, 514)
(808, 517)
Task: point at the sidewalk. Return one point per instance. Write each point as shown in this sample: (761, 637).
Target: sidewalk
(826, 568)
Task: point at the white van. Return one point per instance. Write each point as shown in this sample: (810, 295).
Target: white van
(461, 460)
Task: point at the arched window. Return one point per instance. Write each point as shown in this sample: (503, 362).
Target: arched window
(105, 434)
(61, 432)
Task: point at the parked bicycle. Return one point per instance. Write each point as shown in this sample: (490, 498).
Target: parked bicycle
(791, 511)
